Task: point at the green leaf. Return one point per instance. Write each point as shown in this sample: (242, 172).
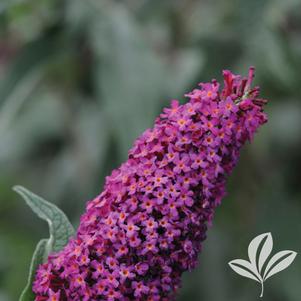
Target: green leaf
(30, 57)
(59, 226)
(60, 231)
(23, 76)
(37, 259)
(121, 61)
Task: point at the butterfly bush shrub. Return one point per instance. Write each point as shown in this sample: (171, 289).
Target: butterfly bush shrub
(146, 228)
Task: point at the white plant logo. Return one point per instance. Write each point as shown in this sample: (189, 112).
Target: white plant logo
(258, 267)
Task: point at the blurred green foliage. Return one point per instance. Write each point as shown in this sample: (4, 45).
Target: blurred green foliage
(80, 80)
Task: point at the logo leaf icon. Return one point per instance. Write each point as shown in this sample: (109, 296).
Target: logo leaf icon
(259, 251)
(245, 269)
(265, 251)
(279, 262)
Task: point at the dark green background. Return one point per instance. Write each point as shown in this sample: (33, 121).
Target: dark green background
(81, 79)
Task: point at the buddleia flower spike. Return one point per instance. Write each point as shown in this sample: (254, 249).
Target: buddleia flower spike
(147, 226)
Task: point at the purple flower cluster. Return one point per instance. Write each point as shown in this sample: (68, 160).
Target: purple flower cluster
(146, 227)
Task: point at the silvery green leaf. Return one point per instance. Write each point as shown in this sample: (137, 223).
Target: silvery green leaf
(59, 226)
(127, 55)
(245, 269)
(37, 259)
(60, 231)
(279, 262)
(34, 54)
(253, 248)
